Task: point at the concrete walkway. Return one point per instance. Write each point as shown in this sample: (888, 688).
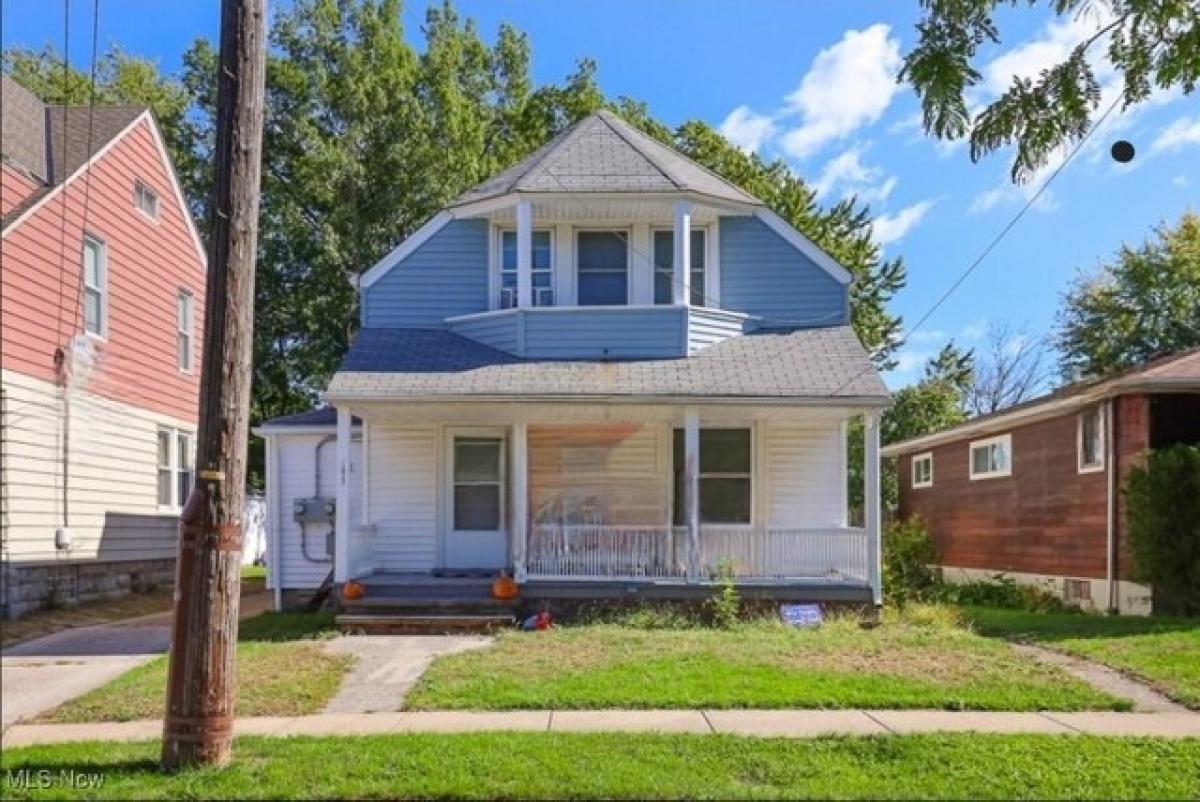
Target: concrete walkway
(39, 675)
(1145, 698)
(762, 723)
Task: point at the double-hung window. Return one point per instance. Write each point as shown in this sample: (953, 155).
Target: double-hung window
(664, 274)
(542, 273)
(1091, 440)
(603, 268)
(991, 458)
(183, 321)
(922, 470)
(478, 484)
(95, 292)
(726, 476)
(176, 466)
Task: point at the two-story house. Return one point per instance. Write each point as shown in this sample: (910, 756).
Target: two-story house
(605, 371)
(102, 277)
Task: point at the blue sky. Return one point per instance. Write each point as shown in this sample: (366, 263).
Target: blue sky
(813, 83)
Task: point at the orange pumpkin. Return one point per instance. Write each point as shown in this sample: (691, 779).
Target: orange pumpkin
(353, 590)
(504, 588)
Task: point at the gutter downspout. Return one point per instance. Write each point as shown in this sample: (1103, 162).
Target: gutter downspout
(276, 515)
(1110, 463)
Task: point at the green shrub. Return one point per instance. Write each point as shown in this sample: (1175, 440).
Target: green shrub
(1163, 500)
(725, 605)
(999, 591)
(909, 555)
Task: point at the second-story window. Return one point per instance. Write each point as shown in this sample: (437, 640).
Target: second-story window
(95, 295)
(542, 269)
(603, 268)
(664, 273)
(145, 199)
(183, 317)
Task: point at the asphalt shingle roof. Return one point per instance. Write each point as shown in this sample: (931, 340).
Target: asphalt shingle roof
(603, 153)
(419, 363)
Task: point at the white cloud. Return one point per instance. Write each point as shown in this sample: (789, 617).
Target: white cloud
(847, 174)
(889, 228)
(974, 331)
(1180, 180)
(748, 129)
(1052, 45)
(1178, 135)
(849, 85)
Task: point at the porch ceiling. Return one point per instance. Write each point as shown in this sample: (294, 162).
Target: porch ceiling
(503, 413)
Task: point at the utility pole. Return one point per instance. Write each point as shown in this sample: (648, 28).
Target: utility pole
(198, 729)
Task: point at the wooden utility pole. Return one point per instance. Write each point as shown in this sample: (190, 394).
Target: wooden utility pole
(198, 729)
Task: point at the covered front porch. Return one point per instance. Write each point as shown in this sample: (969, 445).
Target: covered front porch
(589, 498)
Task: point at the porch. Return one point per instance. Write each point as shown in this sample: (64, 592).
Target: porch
(603, 500)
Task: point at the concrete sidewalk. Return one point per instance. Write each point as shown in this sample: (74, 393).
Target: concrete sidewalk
(763, 723)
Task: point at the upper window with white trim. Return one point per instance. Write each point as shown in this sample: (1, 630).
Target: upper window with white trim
(992, 457)
(184, 328)
(95, 290)
(145, 199)
(1090, 440)
(664, 261)
(922, 470)
(542, 272)
(602, 275)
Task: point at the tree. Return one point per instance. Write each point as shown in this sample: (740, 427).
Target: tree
(1146, 302)
(1013, 367)
(1164, 527)
(1148, 43)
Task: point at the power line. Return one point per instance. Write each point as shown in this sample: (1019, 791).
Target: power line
(991, 246)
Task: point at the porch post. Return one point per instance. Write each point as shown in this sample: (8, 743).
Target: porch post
(520, 497)
(691, 488)
(871, 504)
(524, 254)
(681, 273)
(341, 532)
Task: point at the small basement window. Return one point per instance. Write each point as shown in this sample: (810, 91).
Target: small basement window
(991, 458)
(146, 200)
(1091, 441)
(922, 470)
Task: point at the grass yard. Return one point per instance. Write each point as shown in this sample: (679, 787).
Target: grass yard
(624, 766)
(910, 663)
(282, 671)
(1163, 651)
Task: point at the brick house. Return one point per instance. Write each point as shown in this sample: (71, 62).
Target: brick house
(1034, 491)
(103, 284)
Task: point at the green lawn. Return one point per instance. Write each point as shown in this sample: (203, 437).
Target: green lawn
(901, 664)
(281, 672)
(1163, 651)
(625, 766)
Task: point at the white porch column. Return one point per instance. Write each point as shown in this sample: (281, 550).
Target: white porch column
(691, 488)
(871, 504)
(681, 262)
(341, 532)
(520, 497)
(524, 254)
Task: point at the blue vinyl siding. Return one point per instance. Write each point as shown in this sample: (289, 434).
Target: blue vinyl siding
(446, 276)
(640, 332)
(763, 274)
(501, 331)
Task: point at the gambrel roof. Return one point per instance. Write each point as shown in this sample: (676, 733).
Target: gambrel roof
(603, 153)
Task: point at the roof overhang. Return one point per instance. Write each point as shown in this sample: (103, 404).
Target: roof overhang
(873, 402)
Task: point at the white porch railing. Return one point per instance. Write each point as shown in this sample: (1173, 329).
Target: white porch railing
(662, 553)
(588, 551)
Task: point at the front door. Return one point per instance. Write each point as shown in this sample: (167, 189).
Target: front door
(476, 533)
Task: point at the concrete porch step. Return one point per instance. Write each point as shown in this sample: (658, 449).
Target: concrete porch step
(422, 624)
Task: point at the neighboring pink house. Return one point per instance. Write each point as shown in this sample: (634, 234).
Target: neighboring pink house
(103, 286)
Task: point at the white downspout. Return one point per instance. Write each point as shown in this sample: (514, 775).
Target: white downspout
(871, 505)
(274, 500)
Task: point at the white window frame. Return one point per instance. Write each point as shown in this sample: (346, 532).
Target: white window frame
(142, 190)
(498, 257)
(918, 459)
(755, 476)
(174, 468)
(1006, 440)
(184, 353)
(100, 289)
(708, 299)
(476, 433)
(624, 231)
(1098, 466)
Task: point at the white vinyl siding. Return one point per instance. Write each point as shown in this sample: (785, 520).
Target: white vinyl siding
(990, 458)
(922, 470)
(184, 329)
(403, 496)
(95, 287)
(806, 486)
(1090, 440)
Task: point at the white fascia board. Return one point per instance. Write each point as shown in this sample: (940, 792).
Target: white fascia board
(397, 254)
(803, 244)
(854, 402)
(165, 156)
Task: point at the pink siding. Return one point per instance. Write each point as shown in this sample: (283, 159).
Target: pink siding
(148, 263)
(15, 187)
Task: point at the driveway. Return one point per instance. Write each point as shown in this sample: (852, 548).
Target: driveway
(41, 674)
